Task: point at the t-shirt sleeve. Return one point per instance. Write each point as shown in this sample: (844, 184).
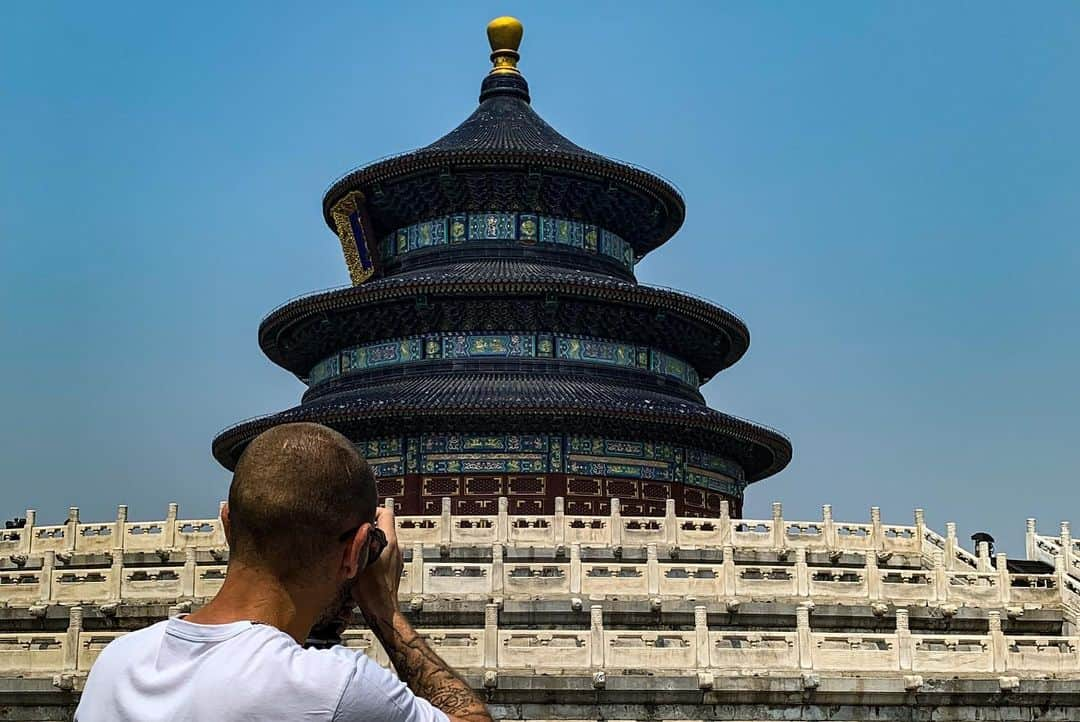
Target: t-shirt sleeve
(374, 693)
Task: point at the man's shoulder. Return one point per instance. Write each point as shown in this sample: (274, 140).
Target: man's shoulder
(129, 641)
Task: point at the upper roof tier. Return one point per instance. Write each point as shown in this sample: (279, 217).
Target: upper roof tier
(504, 157)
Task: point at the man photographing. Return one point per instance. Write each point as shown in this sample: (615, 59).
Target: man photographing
(307, 541)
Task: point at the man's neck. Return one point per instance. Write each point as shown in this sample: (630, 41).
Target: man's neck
(253, 595)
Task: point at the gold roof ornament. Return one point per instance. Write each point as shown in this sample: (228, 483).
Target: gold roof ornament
(504, 35)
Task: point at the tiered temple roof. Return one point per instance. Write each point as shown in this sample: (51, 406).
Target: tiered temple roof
(494, 311)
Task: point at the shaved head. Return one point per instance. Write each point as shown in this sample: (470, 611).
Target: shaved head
(296, 488)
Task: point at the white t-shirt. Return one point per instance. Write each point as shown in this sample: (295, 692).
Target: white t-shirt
(179, 671)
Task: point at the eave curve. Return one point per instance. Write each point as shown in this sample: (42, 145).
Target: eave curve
(510, 400)
(493, 278)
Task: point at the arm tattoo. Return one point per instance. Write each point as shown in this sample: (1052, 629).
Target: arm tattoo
(425, 673)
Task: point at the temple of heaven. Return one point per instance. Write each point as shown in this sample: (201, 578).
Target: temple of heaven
(495, 342)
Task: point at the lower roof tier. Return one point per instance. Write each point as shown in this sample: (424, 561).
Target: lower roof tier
(478, 401)
(503, 296)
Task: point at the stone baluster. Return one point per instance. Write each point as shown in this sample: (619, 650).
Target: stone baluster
(999, 647)
(497, 569)
(116, 575)
(779, 533)
(950, 545)
(729, 582)
(671, 524)
(1030, 545)
(1004, 580)
(805, 641)
(416, 569)
(575, 568)
(1060, 579)
(725, 523)
(48, 564)
(172, 514)
(120, 527)
(701, 636)
(920, 531)
(652, 565)
(502, 521)
(491, 636)
(596, 636)
(828, 527)
(217, 538)
(188, 580)
(615, 524)
(873, 576)
(941, 578)
(802, 573)
(877, 534)
(1066, 545)
(26, 539)
(71, 641)
(904, 647)
(446, 529)
(71, 529)
(982, 563)
(560, 522)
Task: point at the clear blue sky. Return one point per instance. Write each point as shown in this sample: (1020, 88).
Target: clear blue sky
(887, 193)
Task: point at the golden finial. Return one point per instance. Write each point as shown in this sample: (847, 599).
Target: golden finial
(504, 35)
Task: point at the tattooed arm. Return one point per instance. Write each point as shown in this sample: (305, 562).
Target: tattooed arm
(428, 676)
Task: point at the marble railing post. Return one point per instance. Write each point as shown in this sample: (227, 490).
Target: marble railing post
(416, 569)
(218, 539)
(502, 521)
(491, 636)
(982, 560)
(828, 527)
(701, 636)
(671, 523)
(446, 528)
(168, 537)
(188, 580)
(904, 647)
(596, 636)
(920, 531)
(71, 642)
(805, 642)
(560, 522)
(725, 523)
(999, 648)
(575, 568)
(779, 534)
(941, 578)
(1060, 574)
(802, 573)
(877, 536)
(950, 545)
(1004, 581)
(652, 565)
(120, 527)
(1029, 539)
(71, 529)
(26, 539)
(497, 568)
(48, 563)
(615, 523)
(729, 583)
(873, 576)
(1066, 545)
(116, 575)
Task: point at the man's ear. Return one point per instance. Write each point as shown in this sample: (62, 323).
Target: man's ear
(354, 558)
(226, 527)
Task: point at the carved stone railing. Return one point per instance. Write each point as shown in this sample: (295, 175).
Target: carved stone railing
(493, 650)
(492, 574)
(1048, 548)
(556, 530)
